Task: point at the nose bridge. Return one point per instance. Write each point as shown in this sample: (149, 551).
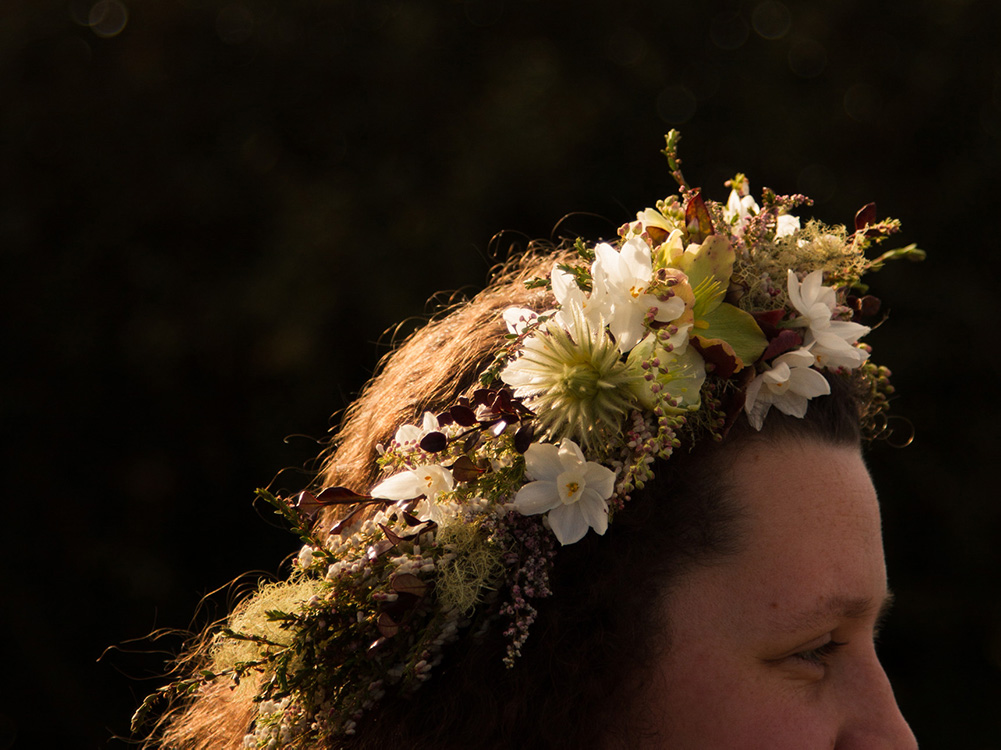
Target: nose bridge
(873, 721)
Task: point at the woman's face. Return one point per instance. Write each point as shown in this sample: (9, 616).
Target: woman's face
(772, 648)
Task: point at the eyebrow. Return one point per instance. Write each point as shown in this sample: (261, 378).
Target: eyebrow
(838, 608)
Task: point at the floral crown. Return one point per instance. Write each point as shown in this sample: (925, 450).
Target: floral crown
(660, 339)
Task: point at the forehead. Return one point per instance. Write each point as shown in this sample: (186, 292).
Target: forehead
(811, 536)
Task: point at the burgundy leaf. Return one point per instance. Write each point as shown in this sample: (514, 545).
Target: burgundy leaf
(724, 363)
(307, 503)
(463, 415)
(343, 523)
(387, 626)
(523, 437)
(471, 441)
(697, 219)
(434, 442)
(340, 496)
(483, 396)
(768, 321)
(411, 520)
(408, 583)
(378, 549)
(865, 216)
(465, 470)
(444, 419)
(785, 341)
(391, 535)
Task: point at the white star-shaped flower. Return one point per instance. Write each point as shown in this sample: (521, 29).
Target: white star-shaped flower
(572, 490)
(409, 436)
(788, 386)
(621, 279)
(832, 342)
(429, 481)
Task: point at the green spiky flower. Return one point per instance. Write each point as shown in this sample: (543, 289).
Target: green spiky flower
(571, 374)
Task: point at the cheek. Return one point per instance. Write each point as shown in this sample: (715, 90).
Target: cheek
(698, 699)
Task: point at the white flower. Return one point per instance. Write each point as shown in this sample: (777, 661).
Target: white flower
(570, 296)
(518, 319)
(429, 481)
(788, 386)
(740, 206)
(786, 224)
(306, 557)
(572, 490)
(621, 279)
(832, 342)
(408, 437)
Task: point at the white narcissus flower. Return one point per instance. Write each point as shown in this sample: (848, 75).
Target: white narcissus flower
(832, 342)
(517, 319)
(408, 436)
(786, 224)
(788, 386)
(573, 491)
(621, 279)
(429, 481)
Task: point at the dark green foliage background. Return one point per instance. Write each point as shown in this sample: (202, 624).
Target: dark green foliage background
(209, 220)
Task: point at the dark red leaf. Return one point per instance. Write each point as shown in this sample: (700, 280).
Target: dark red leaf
(444, 419)
(483, 396)
(697, 219)
(378, 549)
(463, 415)
(408, 583)
(391, 535)
(471, 441)
(523, 437)
(434, 442)
(411, 520)
(343, 523)
(865, 216)
(724, 364)
(768, 321)
(307, 503)
(387, 626)
(785, 341)
(465, 470)
(340, 496)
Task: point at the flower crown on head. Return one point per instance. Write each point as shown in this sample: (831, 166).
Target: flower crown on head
(699, 311)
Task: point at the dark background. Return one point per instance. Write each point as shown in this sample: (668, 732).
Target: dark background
(212, 211)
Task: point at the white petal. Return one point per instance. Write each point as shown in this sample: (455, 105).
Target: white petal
(805, 381)
(635, 255)
(536, 497)
(755, 405)
(542, 461)
(786, 224)
(792, 404)
(600, 479)
(594, 511)
(568, 524)
(570, 455)
(812, 286)
(794, 291)
(403, 486)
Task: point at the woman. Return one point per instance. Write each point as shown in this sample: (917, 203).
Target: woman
(615, 501)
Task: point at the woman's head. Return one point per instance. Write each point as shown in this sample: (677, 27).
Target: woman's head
(596, 506)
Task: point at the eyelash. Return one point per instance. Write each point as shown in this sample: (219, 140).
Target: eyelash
(822, 654)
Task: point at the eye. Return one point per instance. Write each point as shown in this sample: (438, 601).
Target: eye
(821, 655)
